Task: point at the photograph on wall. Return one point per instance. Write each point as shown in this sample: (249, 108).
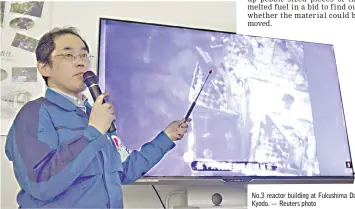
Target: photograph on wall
(31, 8)
(4, 74)
(2, 13)
(13, 96)
(24, 74)
(22, 23)
(24, 42)
(12, 99)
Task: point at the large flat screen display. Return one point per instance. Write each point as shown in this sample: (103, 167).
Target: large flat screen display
(271, 109)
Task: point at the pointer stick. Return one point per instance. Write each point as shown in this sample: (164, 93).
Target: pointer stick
(194, 103)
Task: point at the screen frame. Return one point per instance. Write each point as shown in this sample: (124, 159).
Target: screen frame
(222, 180)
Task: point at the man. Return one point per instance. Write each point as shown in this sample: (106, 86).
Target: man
(59, 144)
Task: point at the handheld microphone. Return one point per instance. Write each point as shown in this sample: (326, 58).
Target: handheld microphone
(194, 103)
(91, 81)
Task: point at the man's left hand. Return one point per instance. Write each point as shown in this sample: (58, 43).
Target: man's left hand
(177, 129)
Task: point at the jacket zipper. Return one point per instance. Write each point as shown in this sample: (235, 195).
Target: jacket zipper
(103, 165)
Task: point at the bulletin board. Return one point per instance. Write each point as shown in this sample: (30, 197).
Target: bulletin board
(22, 24)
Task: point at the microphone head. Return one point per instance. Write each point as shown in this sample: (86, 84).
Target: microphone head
(90, 78)
(210, 71)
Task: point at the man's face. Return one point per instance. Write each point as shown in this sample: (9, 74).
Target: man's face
(66, 73)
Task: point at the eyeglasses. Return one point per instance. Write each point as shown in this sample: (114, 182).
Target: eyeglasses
(71, 57)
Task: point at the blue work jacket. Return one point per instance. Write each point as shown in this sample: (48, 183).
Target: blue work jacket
(61, 162)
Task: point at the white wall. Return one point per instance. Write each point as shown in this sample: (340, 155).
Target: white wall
(84, 16)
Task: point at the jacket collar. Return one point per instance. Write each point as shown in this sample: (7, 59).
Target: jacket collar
(59, 100)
